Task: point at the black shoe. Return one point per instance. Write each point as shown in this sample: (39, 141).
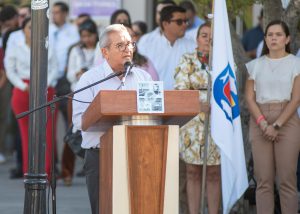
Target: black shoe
(16, 173)
(80, 173)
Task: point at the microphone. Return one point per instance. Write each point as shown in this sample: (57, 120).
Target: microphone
(127, 67)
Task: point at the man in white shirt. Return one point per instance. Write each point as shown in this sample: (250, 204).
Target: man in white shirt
(62, 35)
(117, 49)
(166, 50)
(146, 39)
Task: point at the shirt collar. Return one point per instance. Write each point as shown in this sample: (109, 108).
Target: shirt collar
(164, 38)
(61, 27)
(107, 69)
(167, 41)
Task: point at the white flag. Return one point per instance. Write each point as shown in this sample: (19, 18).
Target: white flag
(225, 113)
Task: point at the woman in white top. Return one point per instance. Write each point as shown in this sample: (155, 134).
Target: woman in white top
(81, 59)
(139, 60)
(82, 55)
(273, 95)
(18, 73)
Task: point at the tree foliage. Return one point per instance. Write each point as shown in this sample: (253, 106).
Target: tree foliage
(234, 7)
(14, 2)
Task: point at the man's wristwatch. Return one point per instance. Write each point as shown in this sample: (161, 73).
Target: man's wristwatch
(276, 126)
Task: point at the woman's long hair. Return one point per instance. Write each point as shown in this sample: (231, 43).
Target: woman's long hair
(90, 26)
(286, 30)
(118, 12)
(139, 59)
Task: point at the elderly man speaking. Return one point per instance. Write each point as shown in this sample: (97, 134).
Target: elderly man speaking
(117, 49)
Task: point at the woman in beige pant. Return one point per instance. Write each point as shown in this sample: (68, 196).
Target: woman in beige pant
(273, 95)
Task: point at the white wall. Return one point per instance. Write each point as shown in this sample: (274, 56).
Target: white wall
(139, 10)
(136, 9)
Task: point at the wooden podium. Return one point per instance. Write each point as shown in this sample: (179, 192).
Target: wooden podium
(139, 158)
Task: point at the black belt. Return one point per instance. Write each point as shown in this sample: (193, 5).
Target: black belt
(93, 148)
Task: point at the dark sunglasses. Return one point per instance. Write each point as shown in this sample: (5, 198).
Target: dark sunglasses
(22, 15)
(179, 22)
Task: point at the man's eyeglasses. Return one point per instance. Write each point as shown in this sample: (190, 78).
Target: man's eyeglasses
(179, 22)
(122, 47)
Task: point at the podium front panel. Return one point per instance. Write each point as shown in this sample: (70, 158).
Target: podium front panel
(144, 176)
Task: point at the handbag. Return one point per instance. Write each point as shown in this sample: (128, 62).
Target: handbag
(63, 86)
(74, 141)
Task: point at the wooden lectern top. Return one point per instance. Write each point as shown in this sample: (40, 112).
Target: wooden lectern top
(110, 105)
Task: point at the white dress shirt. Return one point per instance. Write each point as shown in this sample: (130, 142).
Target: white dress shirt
(298, 53)
(79, 58)
(91, 137)
(61, 39)
(165, 57)
(17, 65)
(147, 39)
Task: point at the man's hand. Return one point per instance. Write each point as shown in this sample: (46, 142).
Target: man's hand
(3, 78)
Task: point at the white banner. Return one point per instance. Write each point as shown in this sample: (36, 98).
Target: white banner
(225, 112)
(98, 9)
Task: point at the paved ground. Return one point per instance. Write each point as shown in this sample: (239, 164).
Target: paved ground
(73, 199)
(70, 200)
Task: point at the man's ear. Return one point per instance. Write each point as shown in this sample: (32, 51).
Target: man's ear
(164, 24)
(104, 52)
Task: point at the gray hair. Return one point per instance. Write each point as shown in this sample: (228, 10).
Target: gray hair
(104, 36)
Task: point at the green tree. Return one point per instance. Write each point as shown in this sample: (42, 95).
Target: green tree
(234, 7)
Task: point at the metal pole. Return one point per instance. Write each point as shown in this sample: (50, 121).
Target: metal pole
(206, 134)
(208, 70)
(36, 179)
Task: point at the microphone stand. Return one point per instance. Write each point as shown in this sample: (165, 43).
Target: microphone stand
(66, 96)
(127, 71)
(52, 174)
(52, 106)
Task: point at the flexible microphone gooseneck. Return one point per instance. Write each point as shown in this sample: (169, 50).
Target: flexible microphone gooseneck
(127, 67)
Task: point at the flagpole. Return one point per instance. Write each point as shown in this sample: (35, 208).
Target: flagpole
(207, 118)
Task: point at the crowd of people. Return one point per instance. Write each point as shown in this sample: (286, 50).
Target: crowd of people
(175, 52)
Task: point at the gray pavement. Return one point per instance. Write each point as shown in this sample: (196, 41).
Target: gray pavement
(73, 199)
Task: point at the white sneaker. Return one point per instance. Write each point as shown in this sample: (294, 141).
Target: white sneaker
(2, 158)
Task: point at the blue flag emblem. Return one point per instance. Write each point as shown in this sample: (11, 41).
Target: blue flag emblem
(225, 93)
